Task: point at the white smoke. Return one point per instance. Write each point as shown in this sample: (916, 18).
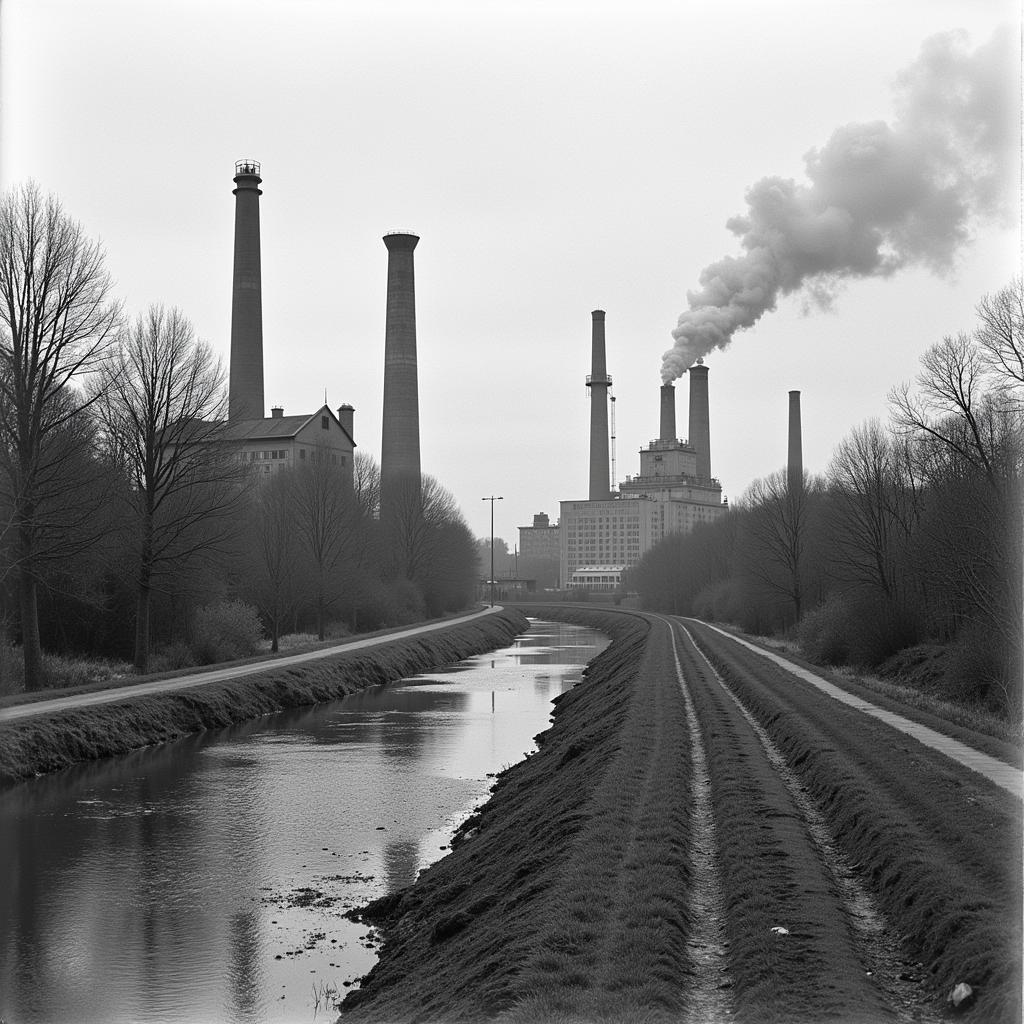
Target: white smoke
(878, 198)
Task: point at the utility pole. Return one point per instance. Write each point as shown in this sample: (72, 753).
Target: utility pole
(492, 499)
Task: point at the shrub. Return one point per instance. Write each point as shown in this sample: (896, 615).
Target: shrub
(976, 670)
(225, 631)
(176, 654)
(823, 632)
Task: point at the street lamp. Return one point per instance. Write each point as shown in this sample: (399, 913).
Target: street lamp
(492, 499)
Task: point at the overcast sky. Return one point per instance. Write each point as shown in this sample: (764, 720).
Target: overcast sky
(555, 158)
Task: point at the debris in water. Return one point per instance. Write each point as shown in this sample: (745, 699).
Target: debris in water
(961, 995)
(779, 930)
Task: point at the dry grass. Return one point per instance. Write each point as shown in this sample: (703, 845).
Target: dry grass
(967, 714)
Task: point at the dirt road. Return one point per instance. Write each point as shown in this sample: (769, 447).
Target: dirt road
(706, 835)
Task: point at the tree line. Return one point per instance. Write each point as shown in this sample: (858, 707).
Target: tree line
(123, 507)
(910, 541)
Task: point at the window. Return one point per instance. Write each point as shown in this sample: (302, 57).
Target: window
(325, 423)
(302, 453)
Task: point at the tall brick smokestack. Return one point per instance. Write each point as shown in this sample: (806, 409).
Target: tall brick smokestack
(598, 381)
(668, 412)
(700, 420)
(245, 386)
(400, 438)
(795, 462)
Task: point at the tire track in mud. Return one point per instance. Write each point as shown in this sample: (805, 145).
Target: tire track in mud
(773, 877)
(709, 1001)
(938, 845)
(875, 941)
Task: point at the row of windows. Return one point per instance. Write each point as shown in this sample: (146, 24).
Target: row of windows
(316, 455)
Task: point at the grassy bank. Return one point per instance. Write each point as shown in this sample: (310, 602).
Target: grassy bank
(50, 742)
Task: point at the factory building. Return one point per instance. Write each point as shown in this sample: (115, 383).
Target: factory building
(540, 540)
(674, 491)
(277, 441)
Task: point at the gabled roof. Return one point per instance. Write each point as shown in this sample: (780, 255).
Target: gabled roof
(278, 426)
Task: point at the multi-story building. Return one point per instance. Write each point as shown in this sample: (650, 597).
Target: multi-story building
(540, 540)
(279, 441)
(673, 492)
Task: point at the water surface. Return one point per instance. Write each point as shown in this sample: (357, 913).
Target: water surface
(205, 880)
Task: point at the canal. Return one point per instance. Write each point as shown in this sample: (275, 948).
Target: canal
(207, 879)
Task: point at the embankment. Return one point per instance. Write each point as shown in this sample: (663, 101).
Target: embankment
(49, 742)
(528, 915)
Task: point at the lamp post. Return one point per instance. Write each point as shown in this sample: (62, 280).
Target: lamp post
(492, 499)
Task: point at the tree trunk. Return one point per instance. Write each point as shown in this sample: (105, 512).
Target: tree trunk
(142, 628)
(142, 604)
(30, 645)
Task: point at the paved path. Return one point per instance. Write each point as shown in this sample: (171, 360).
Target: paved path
(1002, 774)
(81, 700)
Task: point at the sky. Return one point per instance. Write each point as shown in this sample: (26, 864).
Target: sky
(727, 161)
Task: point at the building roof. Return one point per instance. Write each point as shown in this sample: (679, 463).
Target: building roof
(277, 426)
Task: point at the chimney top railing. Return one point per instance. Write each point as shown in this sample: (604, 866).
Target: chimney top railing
(597, 378)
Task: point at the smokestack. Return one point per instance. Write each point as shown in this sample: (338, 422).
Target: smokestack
(598, 382)
(245, 378)
(346, 417)
(795, 462)
(400, 438)
(700, 420)
(668, 412)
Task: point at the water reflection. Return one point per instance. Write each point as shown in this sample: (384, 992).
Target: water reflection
(205, 879)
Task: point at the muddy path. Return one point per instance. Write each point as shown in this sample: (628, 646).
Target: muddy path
(929, 851)
(703, 837)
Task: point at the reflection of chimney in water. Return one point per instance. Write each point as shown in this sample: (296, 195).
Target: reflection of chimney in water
(598, 381)
(700, 421)
(668, 412)
(795, 463)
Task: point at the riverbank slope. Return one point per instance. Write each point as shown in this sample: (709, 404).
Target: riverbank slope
(52, 741)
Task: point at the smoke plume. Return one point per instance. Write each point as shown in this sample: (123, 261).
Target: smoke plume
(878, 197)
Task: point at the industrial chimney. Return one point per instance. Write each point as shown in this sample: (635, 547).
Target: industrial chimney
(700, 421)
(400, 438)
(668, 412)
(245, 385)
(598, 381)
(795, 463)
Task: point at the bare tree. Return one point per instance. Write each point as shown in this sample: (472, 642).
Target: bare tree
(1000, 335)
(366, 484)
(274, 553)
(872, 510)
(949, 407)
(324, 510)
(776, 536)
(161, 399)
(56, 320)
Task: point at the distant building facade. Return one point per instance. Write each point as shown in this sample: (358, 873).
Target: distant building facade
(599, 578)
(666, 497)
(276, 442)
(540, 540)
